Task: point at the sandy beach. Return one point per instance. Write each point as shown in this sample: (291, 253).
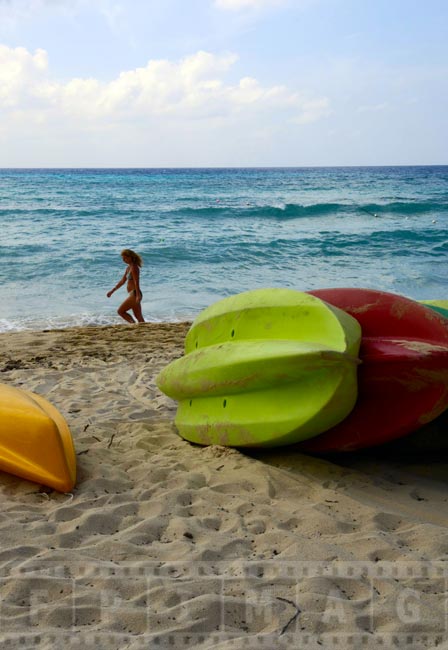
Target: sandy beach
(166, 544)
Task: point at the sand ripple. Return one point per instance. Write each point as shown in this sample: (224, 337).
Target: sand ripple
(167, 544)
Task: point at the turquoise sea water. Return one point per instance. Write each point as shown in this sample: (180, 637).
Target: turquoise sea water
(207, 233)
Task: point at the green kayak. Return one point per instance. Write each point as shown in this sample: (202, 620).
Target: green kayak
(264, 368)
(440, 306)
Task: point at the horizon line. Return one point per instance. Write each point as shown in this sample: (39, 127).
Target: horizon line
(132, 167)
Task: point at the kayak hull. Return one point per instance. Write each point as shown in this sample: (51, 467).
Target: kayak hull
(264, 368)
(403, 377)
(35, 441)
(402, 385)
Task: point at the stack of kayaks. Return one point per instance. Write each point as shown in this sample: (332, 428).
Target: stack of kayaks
(276, 366)
(329, 370)
(263, 368)
(35, 441)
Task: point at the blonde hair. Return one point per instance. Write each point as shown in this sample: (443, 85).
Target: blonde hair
(134, 257)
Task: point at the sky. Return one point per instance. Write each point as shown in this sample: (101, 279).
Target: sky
(223, 83)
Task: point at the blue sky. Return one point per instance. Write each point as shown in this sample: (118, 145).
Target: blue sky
(154, 83)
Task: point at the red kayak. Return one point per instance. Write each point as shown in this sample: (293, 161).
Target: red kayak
(387, 314)
(403, 378)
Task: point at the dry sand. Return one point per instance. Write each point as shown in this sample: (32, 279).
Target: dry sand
(164, 544)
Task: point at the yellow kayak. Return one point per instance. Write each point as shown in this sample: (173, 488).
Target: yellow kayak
(35, 441)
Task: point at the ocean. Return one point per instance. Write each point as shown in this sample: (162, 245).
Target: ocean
(208, 233)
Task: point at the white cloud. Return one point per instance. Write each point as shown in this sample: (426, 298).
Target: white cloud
(373, 108)
(190, 89)
(313, 110)
(21, 75)
(16, 12)
(241, 5)
(172, 113)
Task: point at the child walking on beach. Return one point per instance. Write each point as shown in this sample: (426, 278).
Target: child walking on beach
(131, 278)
